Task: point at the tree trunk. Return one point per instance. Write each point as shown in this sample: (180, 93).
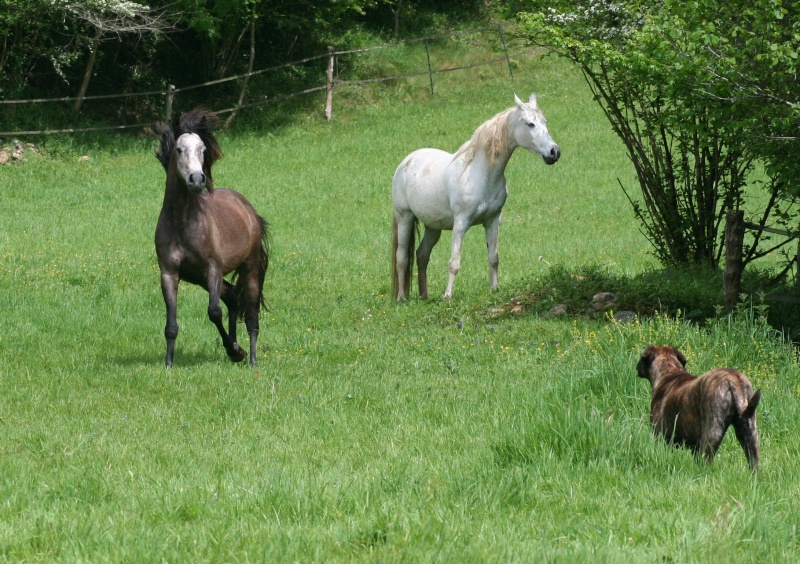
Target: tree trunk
(396, 12)
(247, 76)
(87, 74)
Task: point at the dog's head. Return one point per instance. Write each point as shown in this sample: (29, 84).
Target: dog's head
(665, 356)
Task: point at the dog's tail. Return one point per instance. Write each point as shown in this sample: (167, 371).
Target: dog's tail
(750, 410)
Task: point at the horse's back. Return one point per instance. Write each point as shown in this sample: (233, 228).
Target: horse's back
(231, 204)
(420, 187)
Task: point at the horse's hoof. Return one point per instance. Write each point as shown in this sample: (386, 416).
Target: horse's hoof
(236, 354)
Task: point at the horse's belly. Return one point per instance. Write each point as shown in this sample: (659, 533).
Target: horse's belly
(433, 212)
(420, 188)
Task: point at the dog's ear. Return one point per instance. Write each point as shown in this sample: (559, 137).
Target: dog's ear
(643, 366)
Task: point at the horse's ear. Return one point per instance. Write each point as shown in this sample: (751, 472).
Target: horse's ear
(532, 101)
(520, 104)
(166, 138)
(203, 121)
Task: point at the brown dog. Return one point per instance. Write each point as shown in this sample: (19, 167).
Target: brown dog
(696, 411)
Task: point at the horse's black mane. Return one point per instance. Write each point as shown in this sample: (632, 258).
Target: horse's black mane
(201, 121)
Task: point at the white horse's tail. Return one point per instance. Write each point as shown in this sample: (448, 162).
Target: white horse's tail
(409, 253)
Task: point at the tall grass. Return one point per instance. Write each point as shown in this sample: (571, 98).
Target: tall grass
(370, 430)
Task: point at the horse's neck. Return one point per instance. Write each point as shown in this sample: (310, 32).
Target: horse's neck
(490, 149)
(492, 167)
(179, 204)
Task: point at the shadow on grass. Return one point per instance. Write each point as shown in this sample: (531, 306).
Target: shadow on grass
(189, 359)
(696, 294)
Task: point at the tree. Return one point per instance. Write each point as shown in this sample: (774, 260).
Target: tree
(282, 27)
(103, 19)
(28, 42)
(684, 95)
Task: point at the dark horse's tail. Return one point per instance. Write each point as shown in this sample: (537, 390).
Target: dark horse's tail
(263, 265)
(409, 254)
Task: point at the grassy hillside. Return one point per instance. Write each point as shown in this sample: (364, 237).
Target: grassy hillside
(421, 431)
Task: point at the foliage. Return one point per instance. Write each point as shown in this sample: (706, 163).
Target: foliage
(48, 47)
(746, 56)
(668, 92)
(30, 39)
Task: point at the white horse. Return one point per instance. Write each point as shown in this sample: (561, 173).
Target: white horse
(456, 191)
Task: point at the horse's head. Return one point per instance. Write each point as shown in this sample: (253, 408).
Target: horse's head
(190, 161)
(530, 130)
(193, 151)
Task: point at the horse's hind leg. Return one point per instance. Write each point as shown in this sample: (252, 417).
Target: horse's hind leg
(252, 294)
(429, 240)
(403, 258)
(231, 300)
(492, 232)
(215, 284)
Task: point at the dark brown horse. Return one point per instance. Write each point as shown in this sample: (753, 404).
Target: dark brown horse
(205, 233)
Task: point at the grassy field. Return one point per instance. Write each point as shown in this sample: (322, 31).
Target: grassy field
(370, 431)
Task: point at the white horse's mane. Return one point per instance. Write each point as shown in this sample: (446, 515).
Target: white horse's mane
(491, 136)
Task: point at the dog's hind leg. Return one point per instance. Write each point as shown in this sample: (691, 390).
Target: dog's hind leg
(747, 432)
(747, 436)
(711, 437)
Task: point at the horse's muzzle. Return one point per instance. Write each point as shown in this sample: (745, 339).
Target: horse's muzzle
(197, 182)
(553, 156)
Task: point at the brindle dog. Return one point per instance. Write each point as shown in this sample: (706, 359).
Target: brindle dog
(696, 411)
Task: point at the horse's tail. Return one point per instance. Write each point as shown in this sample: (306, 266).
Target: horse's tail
(263, 264)
(409, 253)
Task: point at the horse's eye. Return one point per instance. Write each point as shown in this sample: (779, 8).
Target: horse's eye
(179, 150)
(531, 124)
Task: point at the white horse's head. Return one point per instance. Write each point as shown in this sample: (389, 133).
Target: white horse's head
(529, 130)
(190, 155)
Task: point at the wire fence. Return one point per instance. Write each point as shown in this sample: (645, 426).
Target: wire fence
(331, 81)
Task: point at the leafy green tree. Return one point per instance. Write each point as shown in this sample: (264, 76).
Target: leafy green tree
(99, 20)
(31, 43)
(746, 54)
(692, 91)
(282, 28)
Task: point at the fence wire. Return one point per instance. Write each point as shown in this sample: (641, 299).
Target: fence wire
(272, 99)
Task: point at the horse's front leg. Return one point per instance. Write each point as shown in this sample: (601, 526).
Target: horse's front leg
(214, 286)
(459, 230)
(492, 233)
(169, 289)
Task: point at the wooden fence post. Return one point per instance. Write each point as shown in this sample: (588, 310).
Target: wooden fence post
(734, 243)
(430, 68)
(505, 49)
(329, 86)
(170, 98)
(797, 265)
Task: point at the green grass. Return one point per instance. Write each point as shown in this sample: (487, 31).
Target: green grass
(370, 431)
